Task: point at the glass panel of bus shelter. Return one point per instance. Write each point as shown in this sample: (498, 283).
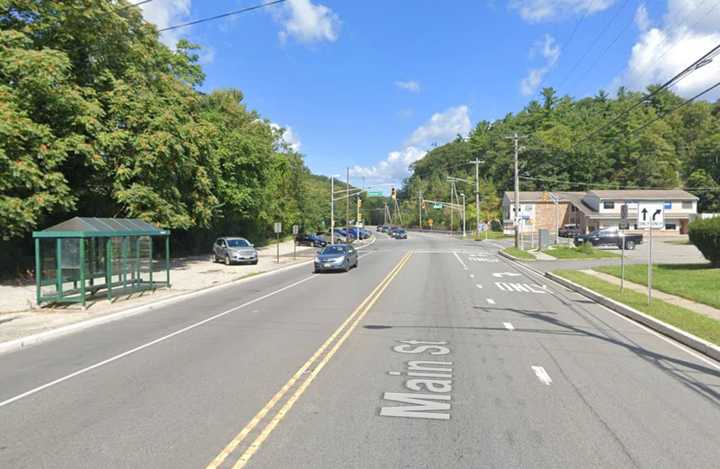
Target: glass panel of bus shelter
(48, 267)
(144, 260)
(70, 263)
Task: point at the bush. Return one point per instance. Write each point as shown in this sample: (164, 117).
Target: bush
(705, 235)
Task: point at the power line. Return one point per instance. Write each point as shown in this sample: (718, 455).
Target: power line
(130, 5)
(224, 15)
(597, 39)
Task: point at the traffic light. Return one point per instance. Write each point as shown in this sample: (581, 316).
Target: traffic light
(393, 195)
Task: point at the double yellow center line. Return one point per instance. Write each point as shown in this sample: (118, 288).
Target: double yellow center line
(322, 356)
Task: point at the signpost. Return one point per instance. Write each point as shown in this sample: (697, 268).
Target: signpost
(296, 230)
(624, 224)
(374, 194)
(277, 228)
(651, 215)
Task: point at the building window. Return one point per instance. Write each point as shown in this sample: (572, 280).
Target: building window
(670, 226)
(608, 205)
(687, 205)
(667, 205)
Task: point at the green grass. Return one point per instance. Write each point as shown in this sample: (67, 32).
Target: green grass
(519, 253)
(696, 282)
(491, 235)
(679, 242)
(689, 321)
(564, 252)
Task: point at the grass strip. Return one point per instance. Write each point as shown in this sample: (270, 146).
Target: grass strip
(689, 321)
(696, 282)
(564, 252)
(519, 253)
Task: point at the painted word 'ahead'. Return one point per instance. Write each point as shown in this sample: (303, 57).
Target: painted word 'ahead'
(523, 287)
(430, 379)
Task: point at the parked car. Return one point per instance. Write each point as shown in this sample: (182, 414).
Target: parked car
(398, 233)
(569, 231)
(385, 229)
(336, 257)
(234, 250)
(610, 237)
(310, 240)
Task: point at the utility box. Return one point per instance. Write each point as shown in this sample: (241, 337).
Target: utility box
(543, 239)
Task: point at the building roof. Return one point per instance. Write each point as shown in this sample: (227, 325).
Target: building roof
(539, 196)
(641, 194)
(89, 227)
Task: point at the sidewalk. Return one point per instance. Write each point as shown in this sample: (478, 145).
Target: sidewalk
(19, 316)
(672, 299)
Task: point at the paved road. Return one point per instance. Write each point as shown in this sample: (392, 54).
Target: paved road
(434, 353)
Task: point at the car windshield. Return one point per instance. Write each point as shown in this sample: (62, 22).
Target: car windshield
(335, 249)
(238, 243)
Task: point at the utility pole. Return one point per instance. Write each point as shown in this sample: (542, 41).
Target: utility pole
(452, 225)
(332, 209)
(420, 209)
(516, 138)
(477, 195)
(463, 212)
(347, 206)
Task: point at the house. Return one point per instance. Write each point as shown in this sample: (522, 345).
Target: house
(598, 209)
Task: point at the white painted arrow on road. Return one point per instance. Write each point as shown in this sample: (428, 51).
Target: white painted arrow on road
(506, 274)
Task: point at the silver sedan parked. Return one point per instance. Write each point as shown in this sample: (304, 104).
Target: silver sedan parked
(234, 250)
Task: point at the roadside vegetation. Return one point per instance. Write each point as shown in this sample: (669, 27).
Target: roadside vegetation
(584, 251)
(705, 235)
(700, 283)
(689, 321)
(491, 235)
(519, 253)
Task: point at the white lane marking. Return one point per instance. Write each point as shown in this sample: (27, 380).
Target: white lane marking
(150, 344)
(670, 341)
(509, 326)
(472, 275)
(506, 274)
(490, 301)
(542, 375)
(460, 260)
(478, 285)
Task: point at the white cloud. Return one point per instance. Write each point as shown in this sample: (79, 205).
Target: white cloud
(289, 137)
(307, 22)
(689, 30)
(440, 128)
(535, 11)
(642, 19)
(411, 86)
(549, 49)
(164, 13)
(206, 55)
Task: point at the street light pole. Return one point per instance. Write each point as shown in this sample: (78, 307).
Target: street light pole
(477, 195)
(347, 207)
(332, 209)
(463, 212)
(516, 138)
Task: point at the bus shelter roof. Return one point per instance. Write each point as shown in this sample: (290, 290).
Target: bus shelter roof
(90, 227)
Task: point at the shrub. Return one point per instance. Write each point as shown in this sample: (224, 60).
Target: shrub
(705, 235)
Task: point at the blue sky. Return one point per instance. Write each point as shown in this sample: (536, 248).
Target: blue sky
(373, 85)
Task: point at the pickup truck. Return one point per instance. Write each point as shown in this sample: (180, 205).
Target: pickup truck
(609, 237)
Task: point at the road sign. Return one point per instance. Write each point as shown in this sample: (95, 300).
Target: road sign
(651, 215)
(374, 194)
(278, 228)
(430, 221)
(437, 205)
(296, 229)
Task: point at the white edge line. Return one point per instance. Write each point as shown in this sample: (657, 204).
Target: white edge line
(460, 260)
(149, 344)
(670, 341)
(542, 375)
(509, 326)
(34, 339)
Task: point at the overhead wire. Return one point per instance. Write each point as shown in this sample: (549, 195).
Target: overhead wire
(223, 15)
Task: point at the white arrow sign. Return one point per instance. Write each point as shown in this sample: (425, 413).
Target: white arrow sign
(506, 274)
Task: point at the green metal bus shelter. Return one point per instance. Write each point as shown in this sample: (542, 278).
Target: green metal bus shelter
(83, 257)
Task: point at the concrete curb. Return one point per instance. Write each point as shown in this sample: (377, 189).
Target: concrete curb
(685, 338)
(23, 342)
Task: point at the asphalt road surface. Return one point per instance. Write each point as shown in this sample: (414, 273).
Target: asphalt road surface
(433, 353)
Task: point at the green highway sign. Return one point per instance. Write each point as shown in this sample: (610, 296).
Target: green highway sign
(375, 194)
(437, 206)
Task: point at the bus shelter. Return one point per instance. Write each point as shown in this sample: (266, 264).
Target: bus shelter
(84, 257)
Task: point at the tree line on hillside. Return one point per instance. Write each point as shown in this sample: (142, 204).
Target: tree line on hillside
(597, 142)
(99, 118)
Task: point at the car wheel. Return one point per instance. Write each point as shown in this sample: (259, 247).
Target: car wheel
(254, 262)
(630, 245)
(347, 266)
(356, 263)
(227, 260)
